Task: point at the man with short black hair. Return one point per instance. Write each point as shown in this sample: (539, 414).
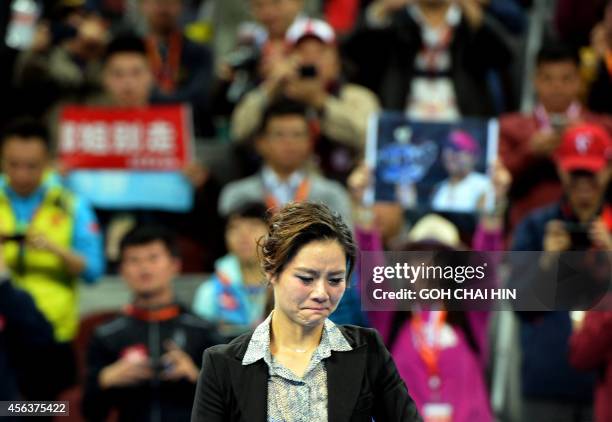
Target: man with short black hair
(528, 140)
(53, 242)
(145, 363)
(285, 142)
(126, 74)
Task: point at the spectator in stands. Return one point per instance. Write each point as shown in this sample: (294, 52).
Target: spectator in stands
(145, 363)
(528, 141)
(234, 297)
(243, 47)
(64, 62)
(455, 377)
(271, 18)
(22, 327)
(465, 188)
(582, 220)
(128, 81)
(600, 90)
(574, 20)
(54, 243)
(285, 142)
(458, 339)
(127, 75)
(591, 349)
(312, 74)
(435, 59)
(182, 69)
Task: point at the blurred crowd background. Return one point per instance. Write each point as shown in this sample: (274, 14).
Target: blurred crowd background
(281, 92)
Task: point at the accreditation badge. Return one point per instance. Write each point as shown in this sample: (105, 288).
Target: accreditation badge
(437, 412)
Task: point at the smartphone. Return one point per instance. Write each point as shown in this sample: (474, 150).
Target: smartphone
(18, 237)
(558, 122)
(308, 71)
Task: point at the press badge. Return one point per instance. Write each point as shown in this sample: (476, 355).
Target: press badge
(437, 412)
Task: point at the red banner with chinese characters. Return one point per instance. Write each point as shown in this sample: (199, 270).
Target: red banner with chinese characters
(155, 138)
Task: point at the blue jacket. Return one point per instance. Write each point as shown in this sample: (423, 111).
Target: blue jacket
(22, 327)
(226, 300)
(545, 368)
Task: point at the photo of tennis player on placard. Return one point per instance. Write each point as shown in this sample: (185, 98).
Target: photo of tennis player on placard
(432, 166)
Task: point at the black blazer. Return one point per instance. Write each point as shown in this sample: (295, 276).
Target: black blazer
(362, 383)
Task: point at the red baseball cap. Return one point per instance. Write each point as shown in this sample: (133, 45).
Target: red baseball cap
(584, 147)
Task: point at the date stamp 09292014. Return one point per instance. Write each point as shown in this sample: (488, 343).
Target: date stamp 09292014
(34, 408)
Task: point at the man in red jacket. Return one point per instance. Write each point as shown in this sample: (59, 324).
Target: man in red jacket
(528, 141)
(591, 348)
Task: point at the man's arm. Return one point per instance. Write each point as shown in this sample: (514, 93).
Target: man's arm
(105, 376)
(592, 343)
(345, 119)
(87, 242)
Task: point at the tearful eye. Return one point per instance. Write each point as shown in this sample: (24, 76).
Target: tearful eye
(304, 279)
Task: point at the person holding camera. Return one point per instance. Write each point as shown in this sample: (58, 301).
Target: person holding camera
(527, 141)
(143, 364)
(581, 221)
(310, 73)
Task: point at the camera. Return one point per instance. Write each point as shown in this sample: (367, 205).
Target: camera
(308, 71)
(579, 235)
(243, 58)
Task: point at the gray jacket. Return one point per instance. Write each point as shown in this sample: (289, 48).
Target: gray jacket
(251, 189)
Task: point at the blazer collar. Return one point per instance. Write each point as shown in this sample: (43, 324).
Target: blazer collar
(345, 372)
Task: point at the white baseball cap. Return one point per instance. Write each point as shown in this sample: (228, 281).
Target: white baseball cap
(308, 27)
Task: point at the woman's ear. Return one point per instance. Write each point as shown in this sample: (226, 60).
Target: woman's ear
(272, 279)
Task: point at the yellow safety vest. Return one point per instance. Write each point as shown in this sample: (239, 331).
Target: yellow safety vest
(41, 273)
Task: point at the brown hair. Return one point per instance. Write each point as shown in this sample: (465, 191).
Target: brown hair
(297, 224)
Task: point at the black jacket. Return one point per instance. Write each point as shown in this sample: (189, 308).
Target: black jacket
(385, 60)
(138, 331)
(362, 383)
(22, 327)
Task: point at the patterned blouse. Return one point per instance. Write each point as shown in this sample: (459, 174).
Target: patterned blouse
(291, 398)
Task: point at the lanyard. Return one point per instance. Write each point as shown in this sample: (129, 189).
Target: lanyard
(427, 335)
(166, 71)
(301, 194)
(608, 60)
(543, 118)
(152, 315)
(432, 52)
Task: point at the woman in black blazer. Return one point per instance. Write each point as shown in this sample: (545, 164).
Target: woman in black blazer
(297, 365)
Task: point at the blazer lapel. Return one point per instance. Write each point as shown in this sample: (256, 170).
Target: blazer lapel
(345, 372)
(250, 383)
